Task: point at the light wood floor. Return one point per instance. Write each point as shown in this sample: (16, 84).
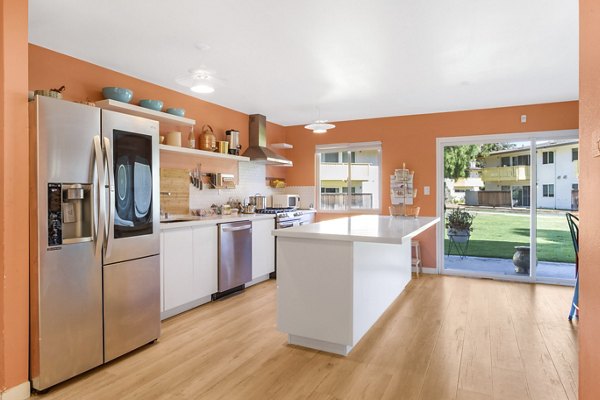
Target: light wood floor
(443, 338)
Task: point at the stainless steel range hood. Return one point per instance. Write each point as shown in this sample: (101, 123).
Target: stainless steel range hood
(258, 151)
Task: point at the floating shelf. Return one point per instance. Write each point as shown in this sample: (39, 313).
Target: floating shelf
(200, 153)
(132, 109)
(283, 146)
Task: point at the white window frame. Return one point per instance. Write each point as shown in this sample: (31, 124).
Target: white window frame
(348, 147)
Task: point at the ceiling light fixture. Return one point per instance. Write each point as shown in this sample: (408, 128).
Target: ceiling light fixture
(202, 88)
(320, 125)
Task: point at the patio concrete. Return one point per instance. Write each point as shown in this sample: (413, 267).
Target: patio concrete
(502, 266)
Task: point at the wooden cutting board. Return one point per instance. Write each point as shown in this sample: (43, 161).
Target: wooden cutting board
(176, 182)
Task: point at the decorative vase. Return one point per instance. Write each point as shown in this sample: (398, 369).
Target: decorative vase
(521, 259)
(459, 235)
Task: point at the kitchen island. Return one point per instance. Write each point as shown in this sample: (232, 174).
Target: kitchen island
(336, 278)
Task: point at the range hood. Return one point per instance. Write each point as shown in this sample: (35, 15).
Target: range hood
(258, 151)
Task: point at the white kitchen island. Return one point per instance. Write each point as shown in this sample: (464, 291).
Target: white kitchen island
(335, 278)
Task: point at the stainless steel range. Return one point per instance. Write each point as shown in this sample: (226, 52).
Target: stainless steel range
(288, 217)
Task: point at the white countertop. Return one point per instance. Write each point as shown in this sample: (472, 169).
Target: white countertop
(212, 220)
(362, 228)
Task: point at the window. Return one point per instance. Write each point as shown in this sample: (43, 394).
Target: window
(575, 186)
(330, 157)
(505, 162)
(548, 190)
(521, 160)
(548, 158)
(574, 154)
(349, 176)
(505, 188)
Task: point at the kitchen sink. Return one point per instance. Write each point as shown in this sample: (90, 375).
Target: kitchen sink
(179, 218)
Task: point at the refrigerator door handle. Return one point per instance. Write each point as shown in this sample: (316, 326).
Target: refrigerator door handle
(111, 196)
(100, 207)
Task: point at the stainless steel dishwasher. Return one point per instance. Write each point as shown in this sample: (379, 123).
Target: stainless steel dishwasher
(235, 257)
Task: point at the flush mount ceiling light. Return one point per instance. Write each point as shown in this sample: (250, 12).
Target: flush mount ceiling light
(198, 81)
(320, 125)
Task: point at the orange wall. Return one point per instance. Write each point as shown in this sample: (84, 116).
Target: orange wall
(411, 139)
(84, 82)
(589, 135)
(14, 211)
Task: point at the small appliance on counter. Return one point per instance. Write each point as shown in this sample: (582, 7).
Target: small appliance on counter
(233, 137)
(286, 201)
(259, 201)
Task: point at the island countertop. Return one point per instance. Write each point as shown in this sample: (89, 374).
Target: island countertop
(362, 228)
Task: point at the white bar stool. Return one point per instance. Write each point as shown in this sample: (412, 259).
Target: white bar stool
(416, 255)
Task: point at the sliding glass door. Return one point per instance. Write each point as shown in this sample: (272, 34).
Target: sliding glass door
(504, 200)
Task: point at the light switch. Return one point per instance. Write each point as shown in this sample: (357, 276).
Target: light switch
(426, 191)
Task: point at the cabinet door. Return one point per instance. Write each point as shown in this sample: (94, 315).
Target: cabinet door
(178, 267)
(263, 247)
(205, 260)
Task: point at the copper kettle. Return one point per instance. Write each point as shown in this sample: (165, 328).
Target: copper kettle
(208, 141)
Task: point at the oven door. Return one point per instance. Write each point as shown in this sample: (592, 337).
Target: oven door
(288, 223)
(131, 146)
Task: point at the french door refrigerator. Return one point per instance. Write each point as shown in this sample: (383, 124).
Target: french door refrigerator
(94, 246)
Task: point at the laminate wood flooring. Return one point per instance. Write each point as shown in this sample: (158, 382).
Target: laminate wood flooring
(443, 338)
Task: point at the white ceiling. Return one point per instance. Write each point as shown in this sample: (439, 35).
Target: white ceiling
(352, 59)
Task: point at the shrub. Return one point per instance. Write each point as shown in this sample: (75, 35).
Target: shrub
(459, 220)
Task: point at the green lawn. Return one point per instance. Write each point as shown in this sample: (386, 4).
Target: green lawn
(496, 235)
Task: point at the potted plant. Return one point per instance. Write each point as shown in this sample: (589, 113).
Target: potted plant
(460, 225)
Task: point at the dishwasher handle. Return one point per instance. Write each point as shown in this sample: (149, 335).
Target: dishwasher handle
(236, 228)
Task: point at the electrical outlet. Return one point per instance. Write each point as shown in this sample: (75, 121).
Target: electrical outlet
(426, 190)
(523, 118)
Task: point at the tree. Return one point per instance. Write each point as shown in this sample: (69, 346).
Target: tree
(457, 160)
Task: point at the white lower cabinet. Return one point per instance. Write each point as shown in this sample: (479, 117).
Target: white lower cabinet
(263, 247)
(189, 267)
(205, 260)
(178, 268)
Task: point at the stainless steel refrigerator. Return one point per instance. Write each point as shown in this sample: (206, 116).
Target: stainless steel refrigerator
(94, 262)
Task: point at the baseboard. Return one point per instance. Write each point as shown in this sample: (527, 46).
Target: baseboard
(258, 280)
(183, 308)
(426, 270)
(19, 392)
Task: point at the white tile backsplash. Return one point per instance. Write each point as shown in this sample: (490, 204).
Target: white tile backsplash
(251, 181)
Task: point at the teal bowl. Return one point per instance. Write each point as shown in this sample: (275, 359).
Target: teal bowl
(180, 112)
(118, 94)
(156, 105)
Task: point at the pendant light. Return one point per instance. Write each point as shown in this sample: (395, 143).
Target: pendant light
(320, 125)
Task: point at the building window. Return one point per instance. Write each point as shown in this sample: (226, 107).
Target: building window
(349, 176)
(574, 154)
(505, 162)
(548, 157)
(548, 190)
(575, 186)
(505, 188)
(521, 160)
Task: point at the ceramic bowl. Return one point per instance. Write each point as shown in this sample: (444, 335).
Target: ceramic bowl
(118, 94)
(152, 104)
(180, 112)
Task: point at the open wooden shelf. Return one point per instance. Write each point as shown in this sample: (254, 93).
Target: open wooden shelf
(283, 146)
(132, 109)
(200, 153)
